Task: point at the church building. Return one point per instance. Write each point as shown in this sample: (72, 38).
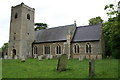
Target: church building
(75, 41)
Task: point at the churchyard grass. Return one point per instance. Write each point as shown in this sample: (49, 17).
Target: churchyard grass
(32, 68)
(0, 69)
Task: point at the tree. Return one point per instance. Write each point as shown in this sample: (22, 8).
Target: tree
(95, 20)
(40, 26)
(111, 30)
(4, 47)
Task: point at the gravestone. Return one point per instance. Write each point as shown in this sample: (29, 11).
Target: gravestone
(40, 58)
(87, 57)
(81, 57)
(35, 55)
(47, 56)
(68, 56)
(58, 56)
(15, 57)
(62, 63)
(92, 68)
(93, 57)
(9, 57)
(23, 59)
(5, 57)
(51, 56)
(99, 57)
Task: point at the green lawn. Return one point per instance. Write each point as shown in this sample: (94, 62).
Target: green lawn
(0, 69)
(32, 68)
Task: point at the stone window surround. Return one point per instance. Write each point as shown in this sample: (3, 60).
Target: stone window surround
(56, 49)
(28, 16)
(16, 15)
(76, 44)
(85, 47)
(44, 49)
(35, 49)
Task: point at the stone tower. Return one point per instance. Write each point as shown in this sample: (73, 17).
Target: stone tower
(22, 32)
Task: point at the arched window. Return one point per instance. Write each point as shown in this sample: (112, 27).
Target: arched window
(58, 49)
(88, 48)
(6, 53)
(16, 15)
(28, 16)
(47, 49)
(76, 48)
(35, 49)
(14, 53)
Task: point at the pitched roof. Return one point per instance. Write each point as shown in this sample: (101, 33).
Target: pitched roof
(87, 33)
(82, 33)
(52, 34)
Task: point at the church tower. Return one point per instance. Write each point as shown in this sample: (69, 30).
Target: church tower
(22, 32)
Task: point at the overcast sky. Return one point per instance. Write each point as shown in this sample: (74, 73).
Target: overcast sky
(54, 12)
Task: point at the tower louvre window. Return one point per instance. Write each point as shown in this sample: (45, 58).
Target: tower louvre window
(16, 15)
(28, 16)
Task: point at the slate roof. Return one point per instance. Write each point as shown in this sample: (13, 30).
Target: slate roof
(82, 33)
(52, 34)
(87, 33)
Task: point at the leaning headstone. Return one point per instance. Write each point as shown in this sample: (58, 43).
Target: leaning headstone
(62, 63)
(23, 59)
(5, 57)
(39, 58)
(92, 68)
(15, 57)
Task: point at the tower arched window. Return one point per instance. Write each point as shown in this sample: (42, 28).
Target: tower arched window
(76, 48)
(28, 16)
(16, 15)
(58, 49)
(13, 53)
(88, 48)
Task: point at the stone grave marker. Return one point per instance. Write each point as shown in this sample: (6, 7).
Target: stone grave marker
(40, 58)
(51, 56)
(81, 58)
(9, 57)
(99, 57)
(62, 63)
(68, 56)
(92, 68)
(23, 59)
(15, 57)
(35, 55)
(5, 57)
(47, 56)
